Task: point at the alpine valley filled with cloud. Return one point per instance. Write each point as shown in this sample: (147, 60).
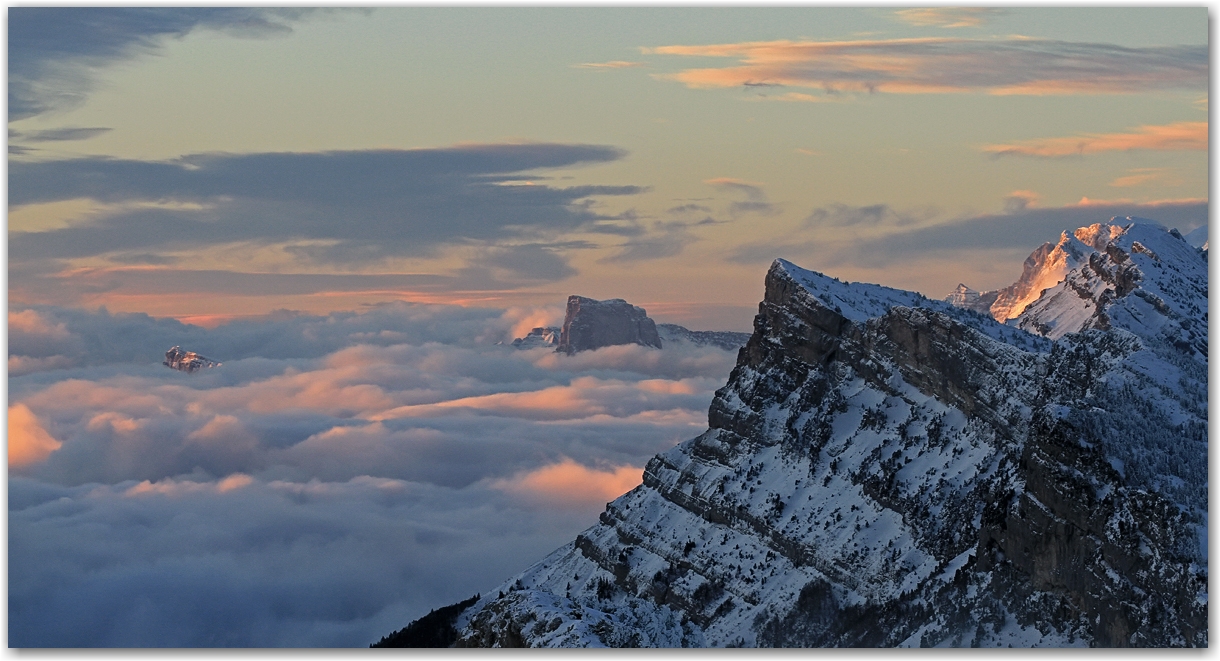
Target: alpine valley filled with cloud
(571, 327)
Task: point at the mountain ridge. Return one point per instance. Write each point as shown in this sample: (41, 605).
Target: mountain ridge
(882, 469)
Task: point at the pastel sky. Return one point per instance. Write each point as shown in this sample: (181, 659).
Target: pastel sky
(212, 164)
(356, 211)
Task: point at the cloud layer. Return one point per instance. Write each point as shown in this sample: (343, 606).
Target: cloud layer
(324, 209)
(54, 52)
(1178, 136)
(335, 478)
(942, 65)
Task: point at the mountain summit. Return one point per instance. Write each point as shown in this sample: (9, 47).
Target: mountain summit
(591, 324)
(882, 469)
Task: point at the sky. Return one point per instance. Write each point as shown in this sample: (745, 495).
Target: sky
(350, 208)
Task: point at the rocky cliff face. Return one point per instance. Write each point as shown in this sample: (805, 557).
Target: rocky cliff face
(1049, 264)
(886, 470)
(591, 324)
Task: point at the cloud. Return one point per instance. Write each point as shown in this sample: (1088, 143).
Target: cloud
(1020, 200)
(613, 64)
(55, 52)
(398, 392)
(337, 477)
(28, 442)
(947, 17)
(247, 562)
(684, 209)
(533, 261)
(666, 239)
(871, 216)
(756, 198)
(1178, 136)
(1139, 176)
(1022, 227)
(751, 190)
(320, 209)
(568, 483)
(584, 397)
(56, 135)
(942, 65)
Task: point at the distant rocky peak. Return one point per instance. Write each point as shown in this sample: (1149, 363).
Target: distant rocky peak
(539, 336)
(970, 299)
(592, 324)
(186, 361)
(1051, 263)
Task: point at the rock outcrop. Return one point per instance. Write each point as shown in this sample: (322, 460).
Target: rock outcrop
(591, 324)
(882, 469)
(186, 361)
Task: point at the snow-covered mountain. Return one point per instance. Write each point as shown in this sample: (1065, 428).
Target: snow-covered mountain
(673, 334)
(965, 297)
(882, 469)
(187, 361)
(539, 336)
(1048, 265)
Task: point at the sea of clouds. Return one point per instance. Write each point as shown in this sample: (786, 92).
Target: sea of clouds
(335, 478)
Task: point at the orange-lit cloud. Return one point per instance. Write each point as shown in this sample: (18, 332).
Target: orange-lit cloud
(613, 64)
(568, 482)
(1019, 200)
(28, 442)
(1178, 136)
(1139, 176)
(30, 321)
(1092, 202)
(174, 488)
(524, 319)
(947, 17)
(1015, 65)
(584, 397)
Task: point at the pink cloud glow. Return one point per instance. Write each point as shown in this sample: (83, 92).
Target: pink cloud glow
(570, 483)
(946, 17)
(1015, 65)
(1178, 136)
(28, 442)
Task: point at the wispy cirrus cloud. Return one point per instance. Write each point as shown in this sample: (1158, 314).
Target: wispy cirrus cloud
(613, 64)
(947, 17)
(1014, 65)
(1140, 176)
(67, 134)
(55, 53)
(1178, 136)
(756, 198)
(870, 216)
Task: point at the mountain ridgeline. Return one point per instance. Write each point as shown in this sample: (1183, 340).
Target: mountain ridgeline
(883, 469)
(590, 324)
